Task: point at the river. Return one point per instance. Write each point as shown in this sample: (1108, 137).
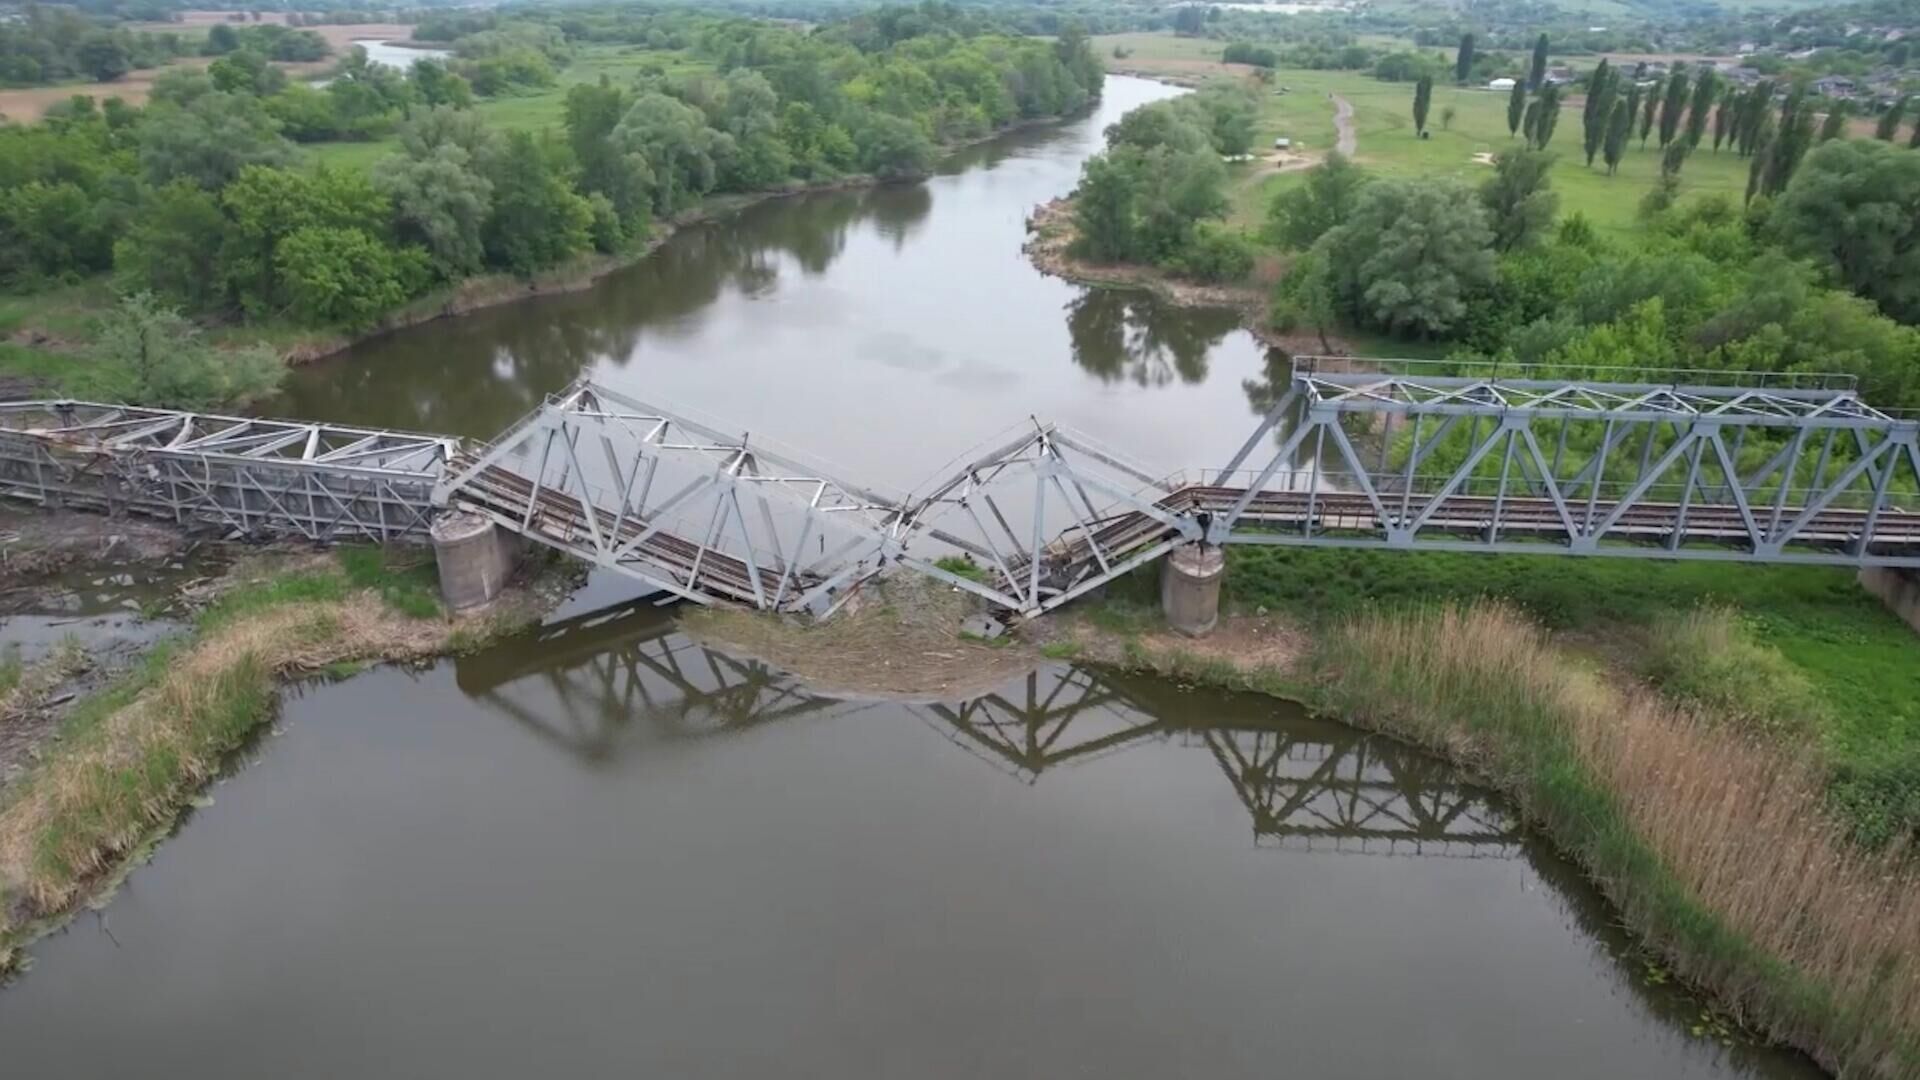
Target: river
(600, 849)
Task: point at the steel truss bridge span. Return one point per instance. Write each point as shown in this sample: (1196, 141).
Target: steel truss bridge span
(1359, 454)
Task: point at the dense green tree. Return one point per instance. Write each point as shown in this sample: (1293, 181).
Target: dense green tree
(210, 140)
(264, 206)
(428, 130)
(1855, 206)
(675, 141)
(1548, 118)
(102, 57)
(622, 176)
(750, 116)
(1422, 103)
(1619, 129)
(147, 353)
(1723, 117)
(1597, 112)
(1104, 208)
(1516, 107)
(221, 39)
(1463, 60)
(1304, 298)
(344, 277)
(440, 204)
(1411, 257)
(1673, 104)
(1835, 124)
(50, 231)
(173, 247)
(244, 71)
(537, 220)
(435, 84)
(1519, 198)
(892, 148)
(1300, 215)
(1706, 91)
(1889, 126)
(1655, 94)
(1537, 72)
(1673, 158)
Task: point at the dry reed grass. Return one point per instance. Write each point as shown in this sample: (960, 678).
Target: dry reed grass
(1717, 846)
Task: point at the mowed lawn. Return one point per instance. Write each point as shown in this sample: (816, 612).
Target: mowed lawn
(1383, 120)
(621, 64)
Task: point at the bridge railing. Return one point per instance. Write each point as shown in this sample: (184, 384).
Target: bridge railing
(1496, 371)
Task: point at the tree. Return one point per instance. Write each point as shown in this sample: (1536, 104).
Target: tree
(1855, 206)
(1706, 90)
(1304, 297)
(1411, 257)
(1448, 114)
(1422, 102)
(1673, 104)
(1519, 198)
(1530, 126)
(1516, 107)
(1463, 60)
(1836, 122)
(344, 277)
(221, 40)
(1537, 74)
(1763, 137)
(1300, 216)
(621, 175)
(1723, 117)
(1889, 126)
(436, 84)
(264, 206)
(147, 354)
(1103, 208)
(1619, 128)
(440, 204)
(245, 71)
(102, 57)
(893, 148)
(536, 219)
(1673, 158)
(1790, 145)
(172, 248)
(1602, 86)
(678, 146)
(1549, 117)
(1655, 95)
(209, 141)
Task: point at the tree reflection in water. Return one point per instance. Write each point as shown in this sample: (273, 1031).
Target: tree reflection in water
(1132, 336)
(601, 683)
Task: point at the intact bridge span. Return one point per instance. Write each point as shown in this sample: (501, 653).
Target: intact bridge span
(1359, 454)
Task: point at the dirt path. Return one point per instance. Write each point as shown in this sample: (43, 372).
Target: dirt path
(1349, 140)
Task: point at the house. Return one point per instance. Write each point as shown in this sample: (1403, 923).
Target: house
(1501, 84)
(1558, 75)
(1283, 143)
(1836, 86)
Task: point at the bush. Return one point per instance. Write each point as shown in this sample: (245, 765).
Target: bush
(1706, 659)
(1213, 253)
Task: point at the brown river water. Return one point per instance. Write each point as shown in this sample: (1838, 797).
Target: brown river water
(600, 849)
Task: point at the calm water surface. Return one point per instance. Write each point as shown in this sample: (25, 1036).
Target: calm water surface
(602, 850)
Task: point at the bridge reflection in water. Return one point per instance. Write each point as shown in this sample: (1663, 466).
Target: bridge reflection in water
(599, 682)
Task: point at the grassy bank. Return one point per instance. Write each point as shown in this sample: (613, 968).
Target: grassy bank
(127, 760)
(1725, 750)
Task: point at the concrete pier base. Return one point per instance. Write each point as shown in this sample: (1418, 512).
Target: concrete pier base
(1898, 589)
(475, 556)
(1190, 588)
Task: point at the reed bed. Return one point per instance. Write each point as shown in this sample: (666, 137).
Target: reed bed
(1717, 845)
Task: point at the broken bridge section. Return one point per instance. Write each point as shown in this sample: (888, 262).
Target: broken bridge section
(702, 513)
(247, 476)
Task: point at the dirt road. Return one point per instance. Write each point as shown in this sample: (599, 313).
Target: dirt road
(1349, 140)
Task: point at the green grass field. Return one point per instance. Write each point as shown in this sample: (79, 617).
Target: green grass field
(1383, 120)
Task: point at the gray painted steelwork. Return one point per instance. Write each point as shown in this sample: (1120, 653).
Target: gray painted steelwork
(1361, 454)
(246, 476)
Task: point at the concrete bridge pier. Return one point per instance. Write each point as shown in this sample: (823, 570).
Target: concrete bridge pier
(475, 556)
(1190, 578)
(1898, 589)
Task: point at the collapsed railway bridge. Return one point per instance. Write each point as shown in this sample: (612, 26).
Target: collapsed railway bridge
(1764, 468)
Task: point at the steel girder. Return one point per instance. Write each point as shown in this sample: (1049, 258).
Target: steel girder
(1660, 474)
(251, 476)
(680, 505)
(1111, 517)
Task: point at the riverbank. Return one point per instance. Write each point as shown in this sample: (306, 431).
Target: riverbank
(44, 337)
(1049, 246)
(119, 766)
(1702, 745)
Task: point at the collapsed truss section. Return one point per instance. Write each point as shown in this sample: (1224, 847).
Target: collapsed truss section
(252, 477)
(677, 503)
